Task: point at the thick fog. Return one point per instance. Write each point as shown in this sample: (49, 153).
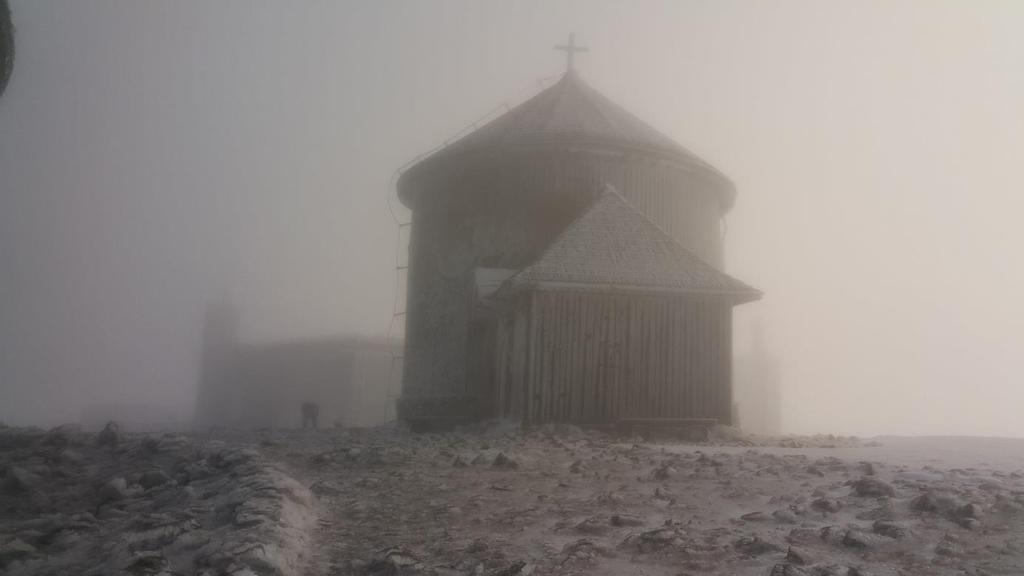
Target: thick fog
(157, 156)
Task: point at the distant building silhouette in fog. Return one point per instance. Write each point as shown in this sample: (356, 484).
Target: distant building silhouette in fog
(250, 385)
(565, 265)
(758, 386)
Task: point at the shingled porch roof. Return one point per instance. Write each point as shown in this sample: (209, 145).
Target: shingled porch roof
(614, 247)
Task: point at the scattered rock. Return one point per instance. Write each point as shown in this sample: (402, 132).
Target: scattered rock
(324, 488)
(392, 561)
(949, 548)
(15, 550)
(663, 472)
(592, 526)
(110, 436)
(991, 486)
(114, 490)
(883, 512)
(583, 550)
(784, 516)
(889, 529)
(803, 535)
(856, 539)
(20, 480)
(788, 570)
(61, 436)
(967, 523)
(931, 502)
(153, 478)
(477, 546)
(705, 460)
(146, 563)
(827, 505)
(238, 456)
(659, 536)
(969, 510)
(794, 556)
(873, 487)
(503, 461)
(149, 446)
(518, 568)
(755, 546)
(145, 522)
(625, 520)
(831, 534)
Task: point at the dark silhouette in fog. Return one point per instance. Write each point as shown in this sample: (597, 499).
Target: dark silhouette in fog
(291, 383)
(6, 45)
(758, 382)
(310, 413)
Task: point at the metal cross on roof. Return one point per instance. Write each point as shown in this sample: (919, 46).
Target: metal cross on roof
(570, 50)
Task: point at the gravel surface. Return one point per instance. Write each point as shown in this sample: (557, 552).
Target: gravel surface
(501, 501)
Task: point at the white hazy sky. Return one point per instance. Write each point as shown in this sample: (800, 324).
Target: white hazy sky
(156, 155)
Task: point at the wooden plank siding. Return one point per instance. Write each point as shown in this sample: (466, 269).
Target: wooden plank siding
(594, 358)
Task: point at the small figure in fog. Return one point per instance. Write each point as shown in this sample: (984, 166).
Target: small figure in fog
(310, 412)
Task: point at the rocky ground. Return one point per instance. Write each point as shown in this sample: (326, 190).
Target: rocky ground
(73, 503)
(494, 501)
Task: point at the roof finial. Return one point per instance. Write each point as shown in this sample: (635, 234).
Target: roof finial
(570, 50)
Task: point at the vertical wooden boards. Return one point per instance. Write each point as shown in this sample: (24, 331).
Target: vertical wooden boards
(675, 386)
(501, 350)
(532, 371)
(689, 378)
(606, 336)
(576, 361)
(609, 368)
(521, 356)
(552, 331)
(683, 361)
(633, 393)
(543, 355)
(593, 353)
(596, 357)
(618, 364)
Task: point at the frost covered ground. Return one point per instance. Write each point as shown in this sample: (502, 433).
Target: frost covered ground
(160, 504)
(502, 501)
(561, 501)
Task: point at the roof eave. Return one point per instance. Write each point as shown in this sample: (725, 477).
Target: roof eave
(450, 156)
(736, 296)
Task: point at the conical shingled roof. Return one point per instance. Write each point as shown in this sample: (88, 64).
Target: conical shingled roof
(613, 246)
(570, 111)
